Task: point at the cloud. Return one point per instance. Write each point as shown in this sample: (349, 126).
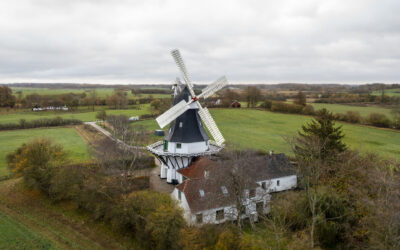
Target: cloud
(249, 41)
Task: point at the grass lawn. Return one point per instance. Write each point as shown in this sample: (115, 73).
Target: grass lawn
(83, 115)
(28, 220)
(266, 130)
(100, 92)
(14, 235)
(388, 92)
(71, 141)
(343, 108)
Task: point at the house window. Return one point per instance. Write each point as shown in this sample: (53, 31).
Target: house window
(260, 207)
(219, 214)
(264, 185)
(199, 218)
(178, 145)
(201, 191)
(165, 145)
(179, 195)
(181, 124)
(252, 193)
(277, 182)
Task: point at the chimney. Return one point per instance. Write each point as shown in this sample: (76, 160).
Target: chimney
(271, 152)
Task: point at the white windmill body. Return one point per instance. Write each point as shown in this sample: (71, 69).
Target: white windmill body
(186, 139)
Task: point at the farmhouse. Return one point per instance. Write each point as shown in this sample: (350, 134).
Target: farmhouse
(207, 193)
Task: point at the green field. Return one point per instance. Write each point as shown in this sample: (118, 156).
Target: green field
(342, 108)
(14, 235)
(388, 92)
(266, 130)
(83, 115)
(71, 141)
(100, 92)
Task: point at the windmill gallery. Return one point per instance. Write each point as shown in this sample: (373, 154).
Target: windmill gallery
(204, 188)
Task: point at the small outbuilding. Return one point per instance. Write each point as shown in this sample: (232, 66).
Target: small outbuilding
(235, 104)
(133, 118)
(159, 132)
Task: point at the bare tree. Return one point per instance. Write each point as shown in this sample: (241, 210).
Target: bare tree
(93, 98)
(243, 190)
(120, 156)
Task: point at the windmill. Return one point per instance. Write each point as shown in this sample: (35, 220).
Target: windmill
(186, 138)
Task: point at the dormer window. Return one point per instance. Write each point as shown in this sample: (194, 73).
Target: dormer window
(224, 190)
(201, 191)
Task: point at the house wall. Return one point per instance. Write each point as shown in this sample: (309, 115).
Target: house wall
(182, 203)
(230, 212)
(285, 183)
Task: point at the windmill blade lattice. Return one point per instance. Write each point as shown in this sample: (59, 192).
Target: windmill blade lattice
(211, 125)
(214, 87)
(172, 113)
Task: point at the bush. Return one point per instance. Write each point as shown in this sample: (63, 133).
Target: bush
(44, 122)
(286, 108)
(378, 120)
(308, 110)
(266, 104)
(36, 162)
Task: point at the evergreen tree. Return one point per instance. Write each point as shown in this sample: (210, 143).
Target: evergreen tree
(321, 130)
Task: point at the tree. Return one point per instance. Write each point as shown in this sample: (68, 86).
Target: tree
(6, 97)
(120, 155)
(323, 130)
(101, 115)
(158, 106)
(300, 99)
(252, 96)
(118, 100)
(93, 98)
(235, 165)
(35, 161)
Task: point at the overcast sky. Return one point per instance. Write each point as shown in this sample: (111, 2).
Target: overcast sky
(99, 41)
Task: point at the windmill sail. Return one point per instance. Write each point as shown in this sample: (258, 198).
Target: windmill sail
(214, 87)
(211, 126)
(179, 61)
(172, 113)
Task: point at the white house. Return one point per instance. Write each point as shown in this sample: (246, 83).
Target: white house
(206, 196)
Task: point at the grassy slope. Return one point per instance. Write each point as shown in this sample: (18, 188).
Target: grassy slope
(14, 235)
(71, 141)
(83, 115)
(342, 108)
(29, 220)
(266, 130)
(100, 92)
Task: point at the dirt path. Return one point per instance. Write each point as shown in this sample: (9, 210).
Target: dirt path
(158, 184)
(109, 135)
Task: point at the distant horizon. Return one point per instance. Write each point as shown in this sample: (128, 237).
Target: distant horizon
(267, 42)
(170, 83)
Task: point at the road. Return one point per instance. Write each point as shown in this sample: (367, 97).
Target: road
(109, 135)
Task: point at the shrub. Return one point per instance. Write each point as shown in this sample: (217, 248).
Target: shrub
(43, 122)
(36, 161)
(379, 120)
(286, 107)
(308, 110)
